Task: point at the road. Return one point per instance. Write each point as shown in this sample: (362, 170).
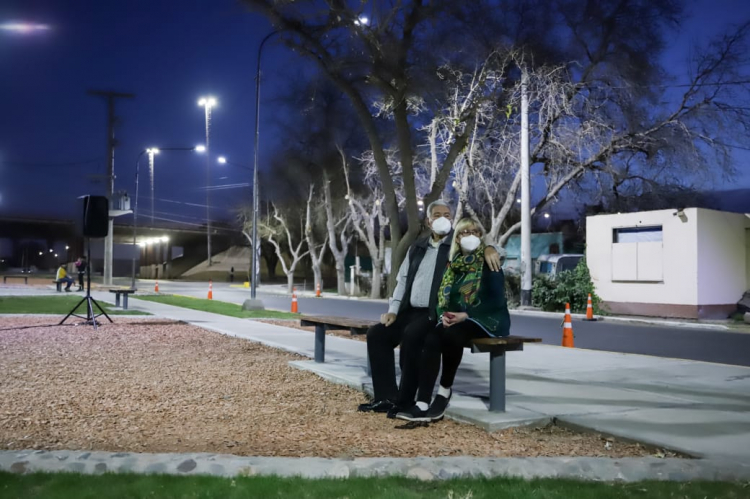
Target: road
(707, 345)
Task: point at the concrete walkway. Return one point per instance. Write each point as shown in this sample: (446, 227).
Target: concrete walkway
(701, 409)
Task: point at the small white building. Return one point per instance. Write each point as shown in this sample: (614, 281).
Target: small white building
(691, 263)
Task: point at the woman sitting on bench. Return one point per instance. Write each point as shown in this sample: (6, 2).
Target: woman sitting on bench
(471, 304)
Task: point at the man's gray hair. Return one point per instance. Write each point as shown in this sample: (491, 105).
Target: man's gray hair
(438, 202)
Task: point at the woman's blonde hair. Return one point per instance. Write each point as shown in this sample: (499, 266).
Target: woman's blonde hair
(463, 224)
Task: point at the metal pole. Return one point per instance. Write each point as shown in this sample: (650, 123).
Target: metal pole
(208, 180)
(111, 144)
(255, 274)
(135, 218)
(526, 269)
(151, 167)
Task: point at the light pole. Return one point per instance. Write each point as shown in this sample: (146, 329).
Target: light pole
(150, 151)
(208, 103)
(153, 151)
(256, 204)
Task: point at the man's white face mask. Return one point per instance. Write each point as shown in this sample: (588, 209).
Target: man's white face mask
(441, 226)
(470, 243)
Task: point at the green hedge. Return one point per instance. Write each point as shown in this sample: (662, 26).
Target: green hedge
(572, 286)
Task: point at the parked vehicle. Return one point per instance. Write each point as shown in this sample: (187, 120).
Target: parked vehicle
(551, 265)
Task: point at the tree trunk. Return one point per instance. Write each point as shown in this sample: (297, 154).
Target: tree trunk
(318, 278)
(377, 273)
(340, 276)
(290, 282)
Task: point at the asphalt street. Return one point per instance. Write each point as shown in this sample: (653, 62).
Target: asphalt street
(707, 345)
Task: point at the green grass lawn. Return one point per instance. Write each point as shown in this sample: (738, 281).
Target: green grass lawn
(217, 307)
(68, 485)
(56, 305)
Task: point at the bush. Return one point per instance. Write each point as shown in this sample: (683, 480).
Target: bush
(513, 289)
(568, 287)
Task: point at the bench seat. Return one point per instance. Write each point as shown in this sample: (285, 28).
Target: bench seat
(496, 347)
(124, 293)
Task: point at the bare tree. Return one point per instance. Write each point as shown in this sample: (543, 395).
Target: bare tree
(317, 251)
(278, 227)
(376, 64)
(369, 220)
(339, 236)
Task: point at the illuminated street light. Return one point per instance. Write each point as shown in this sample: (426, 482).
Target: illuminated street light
(40, 253)
(151, 152)
(208, 103)
(51, 250)
(362, 21)
(23, 28)
(222, 160)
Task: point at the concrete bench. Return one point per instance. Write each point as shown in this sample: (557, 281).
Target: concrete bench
(124, 293)
(496, 347)
(24, 277)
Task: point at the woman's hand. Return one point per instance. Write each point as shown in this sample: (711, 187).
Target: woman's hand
(451, 318)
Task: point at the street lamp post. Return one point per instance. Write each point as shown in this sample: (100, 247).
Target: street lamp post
(255, 274)
(150, 151)
(208, 103)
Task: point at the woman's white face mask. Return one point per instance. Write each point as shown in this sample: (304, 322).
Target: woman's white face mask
(470, 243)
(441, 226)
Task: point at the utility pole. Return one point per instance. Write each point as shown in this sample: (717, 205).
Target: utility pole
(111, 144)
(526, 269)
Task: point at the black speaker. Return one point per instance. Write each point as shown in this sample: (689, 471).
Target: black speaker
(95, 216)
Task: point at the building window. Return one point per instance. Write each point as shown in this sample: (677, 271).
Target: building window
(637, 254)
(637, 234)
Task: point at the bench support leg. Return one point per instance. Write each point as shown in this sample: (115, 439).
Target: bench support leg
(58, 286)
(320, 343)
(125, 301)
(497, 382)
(117, 299)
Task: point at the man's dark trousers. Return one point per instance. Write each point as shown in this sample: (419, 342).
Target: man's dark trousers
(411, 326)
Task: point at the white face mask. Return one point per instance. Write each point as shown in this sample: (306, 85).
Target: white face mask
(441, 226)
(470, 243)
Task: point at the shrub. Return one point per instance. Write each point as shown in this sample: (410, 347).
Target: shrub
(513, 289)
(572, 286)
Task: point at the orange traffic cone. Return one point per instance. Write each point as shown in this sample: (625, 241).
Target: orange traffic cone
(317, 291)
(156, 286)
(567, 340)
(294, 301)
(210, 289)
(589, 310)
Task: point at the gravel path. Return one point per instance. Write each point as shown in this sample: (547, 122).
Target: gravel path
(146, 385)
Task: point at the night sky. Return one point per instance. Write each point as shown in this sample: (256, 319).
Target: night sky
(53, 135)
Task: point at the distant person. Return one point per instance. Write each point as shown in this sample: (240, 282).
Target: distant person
(411, 314)
(62, 276)
(231, 274)
(81, 266)
(470, 304)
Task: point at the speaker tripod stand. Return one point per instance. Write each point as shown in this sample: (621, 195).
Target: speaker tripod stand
(90, 302)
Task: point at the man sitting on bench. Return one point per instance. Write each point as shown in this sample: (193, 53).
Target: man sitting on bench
(411, 314)
(471, 304)
(62, 276)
